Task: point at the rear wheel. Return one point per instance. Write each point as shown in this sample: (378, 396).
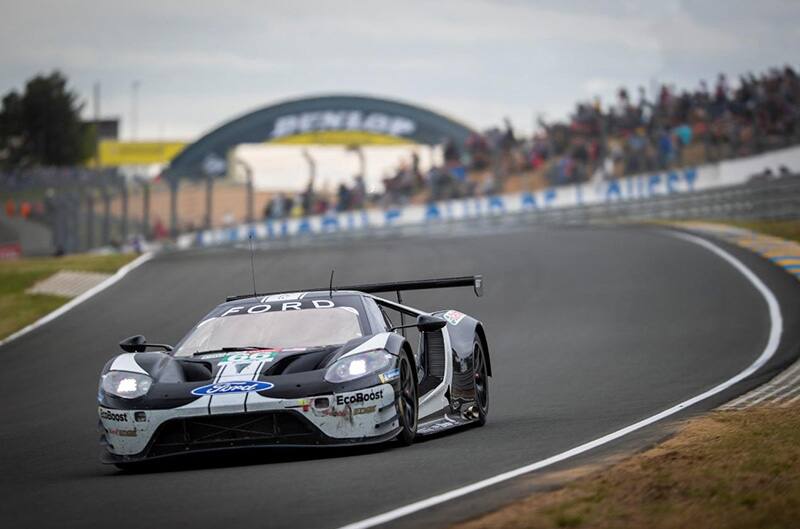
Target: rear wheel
(481, 381)
(407, 405)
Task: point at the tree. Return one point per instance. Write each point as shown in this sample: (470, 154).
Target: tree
(42, 126)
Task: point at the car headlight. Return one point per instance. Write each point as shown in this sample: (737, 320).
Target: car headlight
(358, 365)
(126, 385)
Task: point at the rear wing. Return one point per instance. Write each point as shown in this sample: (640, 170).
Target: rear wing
(474, 281)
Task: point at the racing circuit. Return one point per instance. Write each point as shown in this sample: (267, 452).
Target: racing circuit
(590, 329)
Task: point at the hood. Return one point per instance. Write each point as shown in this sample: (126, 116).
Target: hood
(165, 368)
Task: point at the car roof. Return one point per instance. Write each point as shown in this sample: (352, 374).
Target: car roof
(292, 296)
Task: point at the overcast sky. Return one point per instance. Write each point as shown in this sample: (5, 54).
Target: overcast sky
(201, 62)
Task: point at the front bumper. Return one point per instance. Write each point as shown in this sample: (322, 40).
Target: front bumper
(364, 416)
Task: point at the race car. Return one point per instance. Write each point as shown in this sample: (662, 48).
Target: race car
(318, 367)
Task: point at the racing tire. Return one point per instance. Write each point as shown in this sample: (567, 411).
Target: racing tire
(481, 374)
(407, 402)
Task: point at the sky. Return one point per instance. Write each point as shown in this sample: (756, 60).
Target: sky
(199, 63)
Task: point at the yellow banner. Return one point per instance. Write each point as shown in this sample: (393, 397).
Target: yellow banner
(116, 153)
(342, 137)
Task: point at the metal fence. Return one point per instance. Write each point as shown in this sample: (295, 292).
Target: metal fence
(76, 206)
(765, 199)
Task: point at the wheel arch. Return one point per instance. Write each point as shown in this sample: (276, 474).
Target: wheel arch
(397, 343)
(485, 346)
(410, 353)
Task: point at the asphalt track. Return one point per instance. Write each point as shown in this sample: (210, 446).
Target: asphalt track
(590, 330)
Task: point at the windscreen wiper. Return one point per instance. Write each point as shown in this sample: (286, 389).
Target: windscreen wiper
(231, 349)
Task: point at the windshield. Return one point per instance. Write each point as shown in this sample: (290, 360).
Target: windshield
(291, 328)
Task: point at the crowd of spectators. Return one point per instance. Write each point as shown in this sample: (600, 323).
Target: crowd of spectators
(637, 134)
(311, 202)
(439, 182)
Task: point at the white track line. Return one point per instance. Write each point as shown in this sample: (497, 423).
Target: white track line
(777, 386)
(776, 329)
(788, 394)
(789, 402)
(122, 272)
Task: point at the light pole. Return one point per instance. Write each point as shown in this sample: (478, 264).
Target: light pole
(248, 172)
(134, 109)
(96, 105)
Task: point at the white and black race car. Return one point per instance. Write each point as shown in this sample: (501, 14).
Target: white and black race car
(313, 368)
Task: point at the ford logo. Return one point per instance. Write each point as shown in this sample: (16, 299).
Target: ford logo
(239, 386)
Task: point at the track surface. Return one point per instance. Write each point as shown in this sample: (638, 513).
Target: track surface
(589, 330)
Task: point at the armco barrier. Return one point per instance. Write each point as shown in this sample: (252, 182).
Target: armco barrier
(722, 191)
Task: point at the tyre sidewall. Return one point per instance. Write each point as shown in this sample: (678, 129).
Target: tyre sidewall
(408, 433)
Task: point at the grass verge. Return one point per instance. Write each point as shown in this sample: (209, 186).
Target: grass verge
(786, 229)
(732, 469)
(18, 309)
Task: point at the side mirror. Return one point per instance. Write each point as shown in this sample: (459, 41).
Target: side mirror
(428, 323)
(138, 344)
(134, 344)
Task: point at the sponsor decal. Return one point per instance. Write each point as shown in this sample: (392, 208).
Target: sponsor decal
(365, 410)
(389, 375)
(123, 433)
(323, 120)
(359, 397)
(267, 355)
(110, 415)
(277, 306)
(453, 316)
(289, 296)
(303, 404)
(224, 388)
(333, 412)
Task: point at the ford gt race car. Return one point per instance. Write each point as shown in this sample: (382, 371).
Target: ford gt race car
(314, 368)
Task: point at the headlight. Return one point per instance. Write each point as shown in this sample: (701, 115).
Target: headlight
(358, 365)
(126, 385)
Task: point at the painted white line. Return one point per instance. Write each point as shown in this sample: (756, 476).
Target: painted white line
(790, 402)
(788, 394)
(122, 272)
(777, 385)
(776, 328)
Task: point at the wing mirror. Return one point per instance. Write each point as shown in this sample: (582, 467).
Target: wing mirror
(425, 323)
(428, 323)
(138, 344)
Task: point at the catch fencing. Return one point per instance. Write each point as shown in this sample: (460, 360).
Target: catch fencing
(88, 209)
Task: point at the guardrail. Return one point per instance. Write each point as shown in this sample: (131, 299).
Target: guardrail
(774, 199)
(777, 198)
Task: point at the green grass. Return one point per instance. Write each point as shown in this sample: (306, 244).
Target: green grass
(18, 309)
(786, 229)
(733, 469)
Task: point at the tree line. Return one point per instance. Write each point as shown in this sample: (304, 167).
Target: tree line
(42, 127)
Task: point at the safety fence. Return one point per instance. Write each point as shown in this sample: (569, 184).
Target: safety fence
(87, 209)
(75, 205)
(760, 198)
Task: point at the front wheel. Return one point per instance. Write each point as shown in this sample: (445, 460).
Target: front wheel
(481, 374)
(407, 405)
